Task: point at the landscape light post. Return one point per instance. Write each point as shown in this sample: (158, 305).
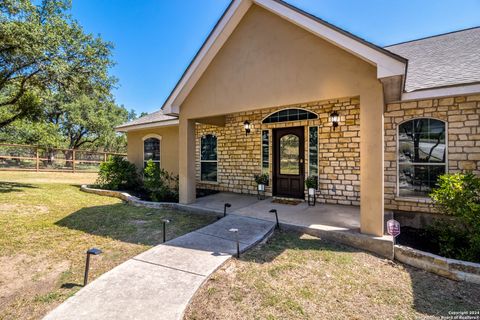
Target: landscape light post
(225, 206)
(164, 223)
(91, 251)
(276, 218)
(238, 241)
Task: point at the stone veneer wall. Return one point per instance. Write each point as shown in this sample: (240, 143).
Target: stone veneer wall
(239, 155)
(462, 115)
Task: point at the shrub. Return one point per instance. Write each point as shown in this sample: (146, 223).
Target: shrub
(261, 178)
(160, 185)
(311, 182)
(118, 174)
(458, 195)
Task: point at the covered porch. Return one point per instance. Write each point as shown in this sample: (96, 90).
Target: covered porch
(340, 223)
(321, 216)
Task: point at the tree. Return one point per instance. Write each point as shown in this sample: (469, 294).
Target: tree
(42, 51)
(86, 120)
(74, 123)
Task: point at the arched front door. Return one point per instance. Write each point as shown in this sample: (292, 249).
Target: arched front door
(288, 162)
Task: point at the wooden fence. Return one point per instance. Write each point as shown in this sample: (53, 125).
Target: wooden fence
(36, 158)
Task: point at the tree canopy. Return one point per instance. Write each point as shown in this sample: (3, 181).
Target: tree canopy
(55, 86)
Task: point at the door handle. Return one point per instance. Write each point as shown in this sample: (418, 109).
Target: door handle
(301, 160)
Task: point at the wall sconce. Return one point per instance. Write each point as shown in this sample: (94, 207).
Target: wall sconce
(247, 127)
(334, 118)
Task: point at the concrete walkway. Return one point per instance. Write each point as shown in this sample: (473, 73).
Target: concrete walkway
(159, 283)
(331, 222)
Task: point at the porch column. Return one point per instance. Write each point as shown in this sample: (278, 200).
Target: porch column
(371, 162)
(186, 154)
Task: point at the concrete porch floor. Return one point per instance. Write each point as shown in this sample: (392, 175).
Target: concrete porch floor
(333, 222)
(325, 216)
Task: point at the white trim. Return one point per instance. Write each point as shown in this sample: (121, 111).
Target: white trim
(398, 197)
(159, 138)
(442, 92)
(135, 127)
(386, 64)
(261, 151)
(308, 153)
(152, 135)
(210, 48)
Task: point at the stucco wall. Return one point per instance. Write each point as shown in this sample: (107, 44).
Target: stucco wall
(268, 61)
(462, 116)
(168, 147)
(239, 155)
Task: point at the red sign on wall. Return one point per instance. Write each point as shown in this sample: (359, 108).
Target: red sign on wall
(393, 227)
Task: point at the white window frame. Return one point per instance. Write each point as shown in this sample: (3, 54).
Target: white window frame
(262, 169)
(397, 173)
(159, 138)
(208, 161)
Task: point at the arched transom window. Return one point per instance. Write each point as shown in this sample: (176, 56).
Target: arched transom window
(421, 156)
(290, 115)
(151, 150)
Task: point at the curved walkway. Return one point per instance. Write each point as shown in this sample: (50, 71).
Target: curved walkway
(159, 283)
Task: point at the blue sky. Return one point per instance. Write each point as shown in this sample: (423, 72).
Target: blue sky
(156, 39)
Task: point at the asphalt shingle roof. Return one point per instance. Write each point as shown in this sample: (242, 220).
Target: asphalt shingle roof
(156, 116)
(444, 60)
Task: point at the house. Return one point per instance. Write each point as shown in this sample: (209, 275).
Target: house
(274, 89)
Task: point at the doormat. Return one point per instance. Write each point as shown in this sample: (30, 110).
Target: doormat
(287, 201)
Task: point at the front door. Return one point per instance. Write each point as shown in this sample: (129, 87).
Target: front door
(288, 162)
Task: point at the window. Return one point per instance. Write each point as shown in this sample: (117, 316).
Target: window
(421, 156)
(208, 158)
(151, 150)
(290, 115)
(289, 154)
(265, 152)
(313, 151)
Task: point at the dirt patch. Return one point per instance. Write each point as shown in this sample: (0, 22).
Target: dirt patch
(21, 275)
(9, 208)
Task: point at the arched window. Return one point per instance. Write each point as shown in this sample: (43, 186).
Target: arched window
(208, 158)
(290, 115)
(421, 156)
(151, 150)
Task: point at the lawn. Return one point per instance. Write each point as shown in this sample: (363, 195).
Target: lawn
(47, 224)
(295, 276)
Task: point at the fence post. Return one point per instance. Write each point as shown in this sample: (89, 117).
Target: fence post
(104, 157)
(37, 165)
(73, 161)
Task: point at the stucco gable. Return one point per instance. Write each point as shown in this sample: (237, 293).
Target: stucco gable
(387, 64)
(268, 61)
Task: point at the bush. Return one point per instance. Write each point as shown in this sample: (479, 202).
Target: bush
(458, 195)
(311, 182)
(160, 185)
(118, 174)
(261, 178)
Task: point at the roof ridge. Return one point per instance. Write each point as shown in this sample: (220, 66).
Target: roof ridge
(432, 36)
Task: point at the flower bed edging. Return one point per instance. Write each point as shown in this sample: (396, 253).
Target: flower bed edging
(450, 268)
(135, 201)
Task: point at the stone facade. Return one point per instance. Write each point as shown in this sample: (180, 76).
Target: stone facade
(239, 155)
(462, 116)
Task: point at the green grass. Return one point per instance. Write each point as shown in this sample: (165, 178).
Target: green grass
(295, 276)
(46, 227)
